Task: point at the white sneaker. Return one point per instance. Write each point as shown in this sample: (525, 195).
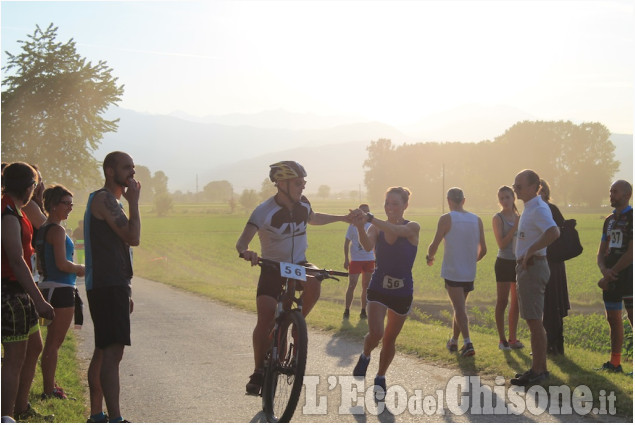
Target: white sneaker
(504, 345)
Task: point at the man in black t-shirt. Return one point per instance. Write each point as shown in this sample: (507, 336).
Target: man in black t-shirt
(615, 260)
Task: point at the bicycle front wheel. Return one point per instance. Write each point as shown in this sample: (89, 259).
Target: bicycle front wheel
(285, 374)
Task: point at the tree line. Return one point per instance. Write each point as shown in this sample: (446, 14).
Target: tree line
(53, 101)
(577, 160)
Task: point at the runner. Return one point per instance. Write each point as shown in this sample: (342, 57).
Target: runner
(281, 223)
(390, 291)
(362, 262)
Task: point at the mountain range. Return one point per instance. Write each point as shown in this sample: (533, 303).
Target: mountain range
(239, 147)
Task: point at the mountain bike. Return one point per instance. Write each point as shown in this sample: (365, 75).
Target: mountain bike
(285, 360)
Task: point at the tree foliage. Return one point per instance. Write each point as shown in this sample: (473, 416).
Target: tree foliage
(52, 102)
(163, 203)
(324, 191)
(577, 160)
(249, 199)
(218, 191)
(267, 189)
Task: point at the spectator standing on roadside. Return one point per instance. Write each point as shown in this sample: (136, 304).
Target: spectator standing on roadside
(55, 254)
(505, 225)
(615, 260)
(556, 293)
(22, 301)
(361, 262)
(536, 231)
(108, 236)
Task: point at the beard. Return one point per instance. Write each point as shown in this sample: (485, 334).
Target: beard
(121, 182)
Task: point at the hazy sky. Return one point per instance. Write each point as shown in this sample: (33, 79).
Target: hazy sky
(389, 61)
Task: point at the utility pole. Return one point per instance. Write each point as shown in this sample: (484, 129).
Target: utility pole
(443, 189)
(196, 188)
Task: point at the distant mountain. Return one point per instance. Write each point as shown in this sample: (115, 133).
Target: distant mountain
(185, 149)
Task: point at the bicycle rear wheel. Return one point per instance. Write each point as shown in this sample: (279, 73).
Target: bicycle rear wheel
(285, 374)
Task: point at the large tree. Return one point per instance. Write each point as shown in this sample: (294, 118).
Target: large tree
(52, 105)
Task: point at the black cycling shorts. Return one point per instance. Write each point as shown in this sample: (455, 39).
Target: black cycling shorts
(60, 297)
(110, 311)
(400, 305)
(505, 270)
(621, 289)
(270, 282)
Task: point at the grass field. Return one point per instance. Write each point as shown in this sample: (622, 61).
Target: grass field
(193, 248)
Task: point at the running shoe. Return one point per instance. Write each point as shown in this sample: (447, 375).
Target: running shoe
(361, 366)
(467, 350)
(32, 415)
(530, 378)
(516, 344)
(98, 418)
(346, 314)
(255, 383)
(504, 345)
(363, 315)
(608, 366)
(58, 392)
(381, 383)
(518, 375)
(452, 346)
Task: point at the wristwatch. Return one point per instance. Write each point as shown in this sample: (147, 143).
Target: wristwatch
(369, 217)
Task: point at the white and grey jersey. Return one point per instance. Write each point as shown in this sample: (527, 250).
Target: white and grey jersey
(282, 232)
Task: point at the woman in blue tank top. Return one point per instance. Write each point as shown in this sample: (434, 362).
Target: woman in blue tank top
(390, 290)
(55, 255)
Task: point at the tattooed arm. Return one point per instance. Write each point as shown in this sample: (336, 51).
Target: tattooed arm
(106, 207)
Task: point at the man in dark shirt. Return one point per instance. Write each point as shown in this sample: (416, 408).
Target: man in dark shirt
(615, 260)
(108, 236)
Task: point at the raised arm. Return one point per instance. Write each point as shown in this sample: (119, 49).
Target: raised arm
(320, 219)
(497, 226)
(106, 207)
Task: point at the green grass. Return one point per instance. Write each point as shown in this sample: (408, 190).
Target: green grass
(69, 377)
(194, 250)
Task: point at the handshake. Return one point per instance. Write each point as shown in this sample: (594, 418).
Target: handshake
(358, 218)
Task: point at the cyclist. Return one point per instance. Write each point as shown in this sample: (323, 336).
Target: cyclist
(281, 223)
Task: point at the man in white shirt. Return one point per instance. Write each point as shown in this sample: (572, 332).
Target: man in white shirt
(536, 231)
(361, 262)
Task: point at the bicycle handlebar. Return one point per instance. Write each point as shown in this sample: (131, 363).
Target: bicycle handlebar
(317, 273)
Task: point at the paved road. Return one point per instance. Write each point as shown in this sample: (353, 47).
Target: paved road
(190, 359)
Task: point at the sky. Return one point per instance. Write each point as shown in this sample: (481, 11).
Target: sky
(394, 62)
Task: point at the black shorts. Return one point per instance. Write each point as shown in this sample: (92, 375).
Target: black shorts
(400, 305)
(467, 286)
(110, 311)
(621, 289)
(60, 297)
(19, 316)
(270, 282)
(505, 270)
